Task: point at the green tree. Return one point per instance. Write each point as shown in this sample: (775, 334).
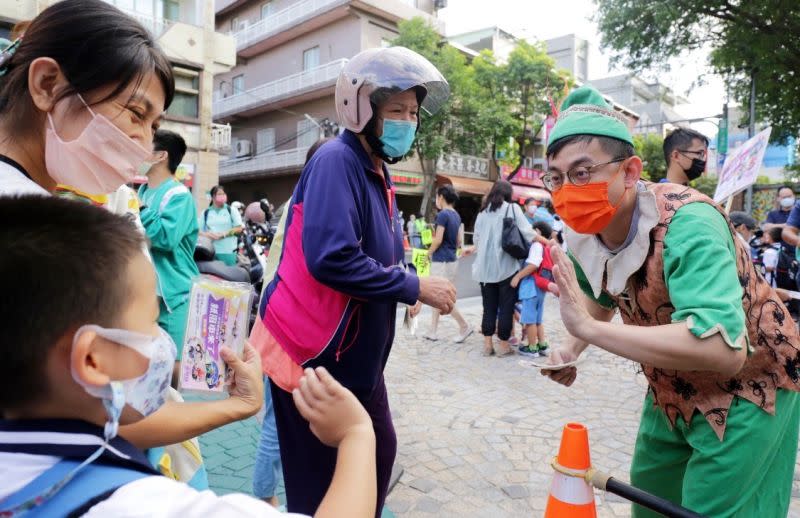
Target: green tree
(461, 125)
(705, 184)
(747, 37)
(530, 81)
(650, 148)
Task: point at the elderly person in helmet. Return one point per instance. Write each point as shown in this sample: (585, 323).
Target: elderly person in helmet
(341, 275)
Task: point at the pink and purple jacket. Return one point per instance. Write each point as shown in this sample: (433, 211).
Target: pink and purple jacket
(334, 297)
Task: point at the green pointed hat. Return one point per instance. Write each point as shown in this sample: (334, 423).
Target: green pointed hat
(585, 112)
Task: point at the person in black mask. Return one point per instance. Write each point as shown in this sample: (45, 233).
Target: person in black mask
(685, 152)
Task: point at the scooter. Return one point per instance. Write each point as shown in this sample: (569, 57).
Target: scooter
(204, 258)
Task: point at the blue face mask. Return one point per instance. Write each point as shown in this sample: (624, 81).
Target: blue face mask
(397, 137)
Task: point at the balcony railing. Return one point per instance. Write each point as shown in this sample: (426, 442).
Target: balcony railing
(221, 137)
(283, 20)
(262, 163)
(156, 26)
(275, 90)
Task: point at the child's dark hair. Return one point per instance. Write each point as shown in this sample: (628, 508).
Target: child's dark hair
(544, 228)
(775, 233)
(612, 146)
(94, 43)
(449, 194)
(63, 266)
(173, 144)
(501, 192)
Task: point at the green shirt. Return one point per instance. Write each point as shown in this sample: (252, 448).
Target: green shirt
(169, 218)
(222, 220)
(700, 273)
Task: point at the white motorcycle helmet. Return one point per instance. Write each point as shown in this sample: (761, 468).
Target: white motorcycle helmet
(372, 76)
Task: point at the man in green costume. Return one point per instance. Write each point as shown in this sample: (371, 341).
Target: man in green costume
(719, 427)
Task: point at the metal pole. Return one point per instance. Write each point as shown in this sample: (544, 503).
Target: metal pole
(751, 131)
(649, 501)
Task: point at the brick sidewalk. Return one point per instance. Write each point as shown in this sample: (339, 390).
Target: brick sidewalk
(476, 435)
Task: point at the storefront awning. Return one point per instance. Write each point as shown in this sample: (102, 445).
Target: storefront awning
(468, 185)
(523, 192)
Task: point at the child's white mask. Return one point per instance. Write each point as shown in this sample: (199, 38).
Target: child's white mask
(146, 393)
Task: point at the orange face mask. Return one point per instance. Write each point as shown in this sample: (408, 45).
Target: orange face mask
(586, 209)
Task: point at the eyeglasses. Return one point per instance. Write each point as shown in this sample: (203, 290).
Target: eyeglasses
(579, 175)
(700, 154)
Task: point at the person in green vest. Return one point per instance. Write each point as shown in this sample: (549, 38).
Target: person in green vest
(169, 217)
(222, 224)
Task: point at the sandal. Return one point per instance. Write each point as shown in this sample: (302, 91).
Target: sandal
(487, 352)
(501, 354)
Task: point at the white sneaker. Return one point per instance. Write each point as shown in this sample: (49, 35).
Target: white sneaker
(460, 339)
(430, 336)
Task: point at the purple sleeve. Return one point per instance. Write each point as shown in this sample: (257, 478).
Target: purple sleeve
(794, 217)
(332, 220)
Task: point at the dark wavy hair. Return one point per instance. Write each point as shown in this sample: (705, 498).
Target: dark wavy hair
(501, 192)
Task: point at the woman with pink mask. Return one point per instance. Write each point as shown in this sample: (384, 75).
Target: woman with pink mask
(221, 223)
(81, 95)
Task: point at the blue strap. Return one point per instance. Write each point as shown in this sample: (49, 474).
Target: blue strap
(90, 482)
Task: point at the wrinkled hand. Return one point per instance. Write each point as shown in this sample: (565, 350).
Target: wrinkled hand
(414, 310)
(576, 318)
(247, 388)
(438, 293)
(332, 411)
(567, 375)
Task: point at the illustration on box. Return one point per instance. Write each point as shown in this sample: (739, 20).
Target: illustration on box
(218, 316)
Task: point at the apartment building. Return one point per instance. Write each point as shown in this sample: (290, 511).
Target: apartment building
(185, 30)
(656, 103)
(279, 99)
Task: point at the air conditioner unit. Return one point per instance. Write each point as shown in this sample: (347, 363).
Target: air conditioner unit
(243, 148)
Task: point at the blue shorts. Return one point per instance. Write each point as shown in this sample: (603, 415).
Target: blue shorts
(532, 310)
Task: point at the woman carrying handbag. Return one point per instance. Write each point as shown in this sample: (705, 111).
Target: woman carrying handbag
(494, 267)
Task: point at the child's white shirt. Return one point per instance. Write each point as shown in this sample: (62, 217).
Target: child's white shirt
(535, 254)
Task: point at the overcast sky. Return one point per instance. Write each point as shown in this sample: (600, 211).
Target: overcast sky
(543, 19)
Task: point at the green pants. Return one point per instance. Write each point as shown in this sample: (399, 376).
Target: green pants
(749, 474)
(174, 323)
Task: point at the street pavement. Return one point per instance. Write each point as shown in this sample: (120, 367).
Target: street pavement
(475, 434)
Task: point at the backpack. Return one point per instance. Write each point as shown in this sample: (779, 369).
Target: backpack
(544, 275)
(205, 216)
(90, 486)
(786, 271)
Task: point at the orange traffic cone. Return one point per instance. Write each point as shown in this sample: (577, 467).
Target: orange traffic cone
(406, 245)
(570, 495)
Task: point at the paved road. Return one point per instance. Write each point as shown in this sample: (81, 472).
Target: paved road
(476, 434)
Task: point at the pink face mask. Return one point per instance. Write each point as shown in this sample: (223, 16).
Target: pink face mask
(99, 161)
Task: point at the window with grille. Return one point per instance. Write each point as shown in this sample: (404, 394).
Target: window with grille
(186, 102)
(265, 140)
(311, 58)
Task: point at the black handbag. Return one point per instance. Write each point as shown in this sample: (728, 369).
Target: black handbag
(513, 242)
